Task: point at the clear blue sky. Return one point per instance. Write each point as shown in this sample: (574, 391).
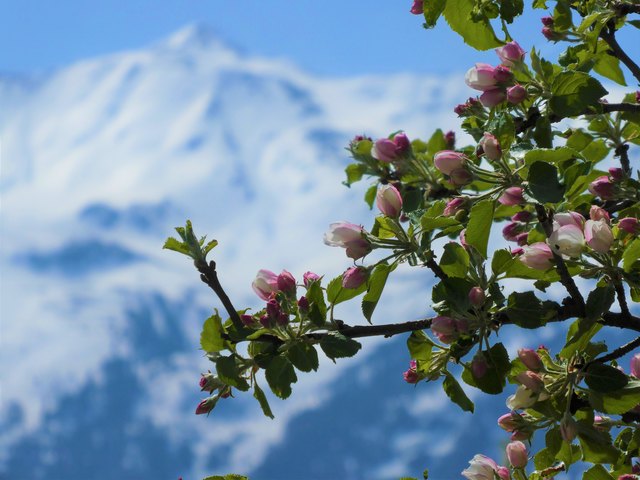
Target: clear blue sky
(332, 37)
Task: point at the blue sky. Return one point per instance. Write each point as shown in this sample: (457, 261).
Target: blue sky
(331, 37)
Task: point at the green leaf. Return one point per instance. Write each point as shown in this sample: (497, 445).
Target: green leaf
(432, 9)
(551, 155)
(259, 395)
(543, 183)
(212, 336)
(631, 255)
(604, 378)
(376, 283)
(455, 260)
(354, 172)
(303, 356)
(509, 9)
(176, 246)
(419, 346)
(280, 375)
(600, 301)
(228, 371)
(209, 246)
(597, 472)
(503, 127)
(578, 337)
(574, 92)
(335, 345)
(609, 66)
(479, 35)
(596, 445)
(527, 311)
(494, 380)
(454, 292)
(230, 476)
(479, 226)
(370, 195)
(617, 402)
(336, 293)
(454, 391)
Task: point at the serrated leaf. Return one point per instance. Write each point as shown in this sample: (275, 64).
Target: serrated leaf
(228, 371)
(479, 35)
(303, 356)
(176, 246)
(597, 472)
(335, 345)
(631, 255)
(211, 337)
(455, 260)
(574, 92)
(604, 378)
(375, 286)
(432, 9)
(479, 226)
(528, 311)
(543, 183)
(280, 375)
(259, 395)
(617, 402)
(455, 392)
(354, 172)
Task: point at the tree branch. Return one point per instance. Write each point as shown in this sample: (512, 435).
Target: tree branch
(622, 151)
(209, 276)
(624, 8)
(435, 268)
(609, 35)
(565, 278)
(618, 352)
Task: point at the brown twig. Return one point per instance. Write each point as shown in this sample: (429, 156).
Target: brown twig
(622, 151)
(608, 34)
(618, 352)
(435, 268)
(209, 276)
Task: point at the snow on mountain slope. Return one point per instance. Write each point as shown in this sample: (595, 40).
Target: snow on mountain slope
(100, 161)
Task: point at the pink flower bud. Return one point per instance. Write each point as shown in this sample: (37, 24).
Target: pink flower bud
(286, 282)
(598, 235)
(493, 97)
(568, 428)
(303, 304)
(512, 196)
(450, 139)
(510, 54)
(348, 236)
(519, 435)
(446, 329)
(247, 320)
(265, 283)
(568, 218)
(602, 424)
(531, 380)
(481, 77)
(511, 231)
(206, 405)
(550, 34)
(522, 238)
(516, 94)
(463, 238)
(384, 150)
(477, 296)
(205, 380)
(416, 9)
(411, 375)
(530, 358)
(447, 161)
(567, 240)
(273, 309)
(491, 146)
(616, 174)
(522, 216)
(479, 366)
(354, 277)
(265, 321)
(537, 256)
(502, 74)
(598, 213)
(635, 365)
(460, 177)
(547, 21)
(516, 252)
(309, 277)
(510, 421)
(638, 96)
(389, 201)
(403, 144)
(628, 476)
(484, 468)
(603, 188)
(517, 454)
(629, 225)
(454, 206)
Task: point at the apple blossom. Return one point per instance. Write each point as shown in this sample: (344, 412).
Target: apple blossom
(389, 201)
(286, 282)
(511, 231)
(516, 94)
(482, 467)
(417, 7)
(460, 177)
(598, 235)
(530, 358)
(411, 375)
(568, 218)
(531, 380)
(567, 240)
(481, 77)
(477, 296)
(616, 173)
(492, 97)
(568, 428)
(490, 146)
(206, 405)
(630, 225)
(502, 74)
(348, 236)
(510, 421)
(523, 398)
(537, 256)
(479, 366)
(635, 365)
(454, 206)
(265, 283)
(303, 304)
(599, 213)
(309, 277)
(602, 187)
(354, 277)
(522, 216)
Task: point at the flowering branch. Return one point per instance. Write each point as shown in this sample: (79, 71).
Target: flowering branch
(209, 275)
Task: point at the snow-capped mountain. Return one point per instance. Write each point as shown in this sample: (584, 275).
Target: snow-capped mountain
(100, 160)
